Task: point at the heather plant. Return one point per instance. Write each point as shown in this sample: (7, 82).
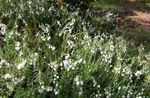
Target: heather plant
(50, 52)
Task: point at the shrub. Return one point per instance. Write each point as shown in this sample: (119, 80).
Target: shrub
(50, 52)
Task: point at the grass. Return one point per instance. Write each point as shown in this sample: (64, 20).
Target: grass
(107, 4)
(141, 36)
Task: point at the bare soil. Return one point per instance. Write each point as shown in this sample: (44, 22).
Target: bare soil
(135, 12)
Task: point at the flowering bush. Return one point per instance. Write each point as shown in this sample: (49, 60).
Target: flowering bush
(51, 52)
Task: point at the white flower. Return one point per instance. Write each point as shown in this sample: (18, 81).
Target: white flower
(17, 80)
(81, 82)
(70, 43)
(67, 56)
(139, 97)
(18, 33)
(98, 86)
(80, 93)
(78, 81)
(10, 34)
(119, 88)
(138, 73)
(56, 92)
(2, 62)
(49, 88)
(2, 29)
(67, 64)
(48, 38)
(51, 47)
(34, 57)
(117, 70)
(7, 76)
(78, 62)
(43, 38)
(17, 47)
(21, 64)
(54, 65)
(108, 16)
(94, 83)
(109, 95)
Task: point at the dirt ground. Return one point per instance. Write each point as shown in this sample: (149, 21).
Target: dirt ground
(135, 12)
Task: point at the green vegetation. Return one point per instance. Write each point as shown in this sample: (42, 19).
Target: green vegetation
(50, 51)
(106, 4)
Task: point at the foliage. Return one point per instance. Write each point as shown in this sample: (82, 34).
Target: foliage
(50, 52)
(107, 4)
